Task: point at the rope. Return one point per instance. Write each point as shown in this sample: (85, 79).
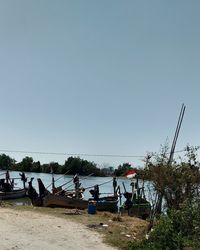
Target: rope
(78, 181)
(99, 184)
(57, 179)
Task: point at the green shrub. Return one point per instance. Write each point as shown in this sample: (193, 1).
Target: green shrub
(174, 231)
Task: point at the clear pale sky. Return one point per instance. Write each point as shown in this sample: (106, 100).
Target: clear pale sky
(98, 77)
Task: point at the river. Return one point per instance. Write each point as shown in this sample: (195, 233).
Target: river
(105, 183)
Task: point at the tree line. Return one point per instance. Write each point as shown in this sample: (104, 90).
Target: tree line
(72, 166)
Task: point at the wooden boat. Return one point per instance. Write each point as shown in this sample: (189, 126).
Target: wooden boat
(7, 190)
(138, 207)
(136, 203)
(102, 204)
(108, 203)
(14, 194)
(47, 199)
(52, 200)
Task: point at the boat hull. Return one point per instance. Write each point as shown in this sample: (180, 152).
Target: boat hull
(137, 210)
(15, 194)
(51, 200)
(103, 204)
(106, 204)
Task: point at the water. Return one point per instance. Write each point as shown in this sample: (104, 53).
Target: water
(105, 189)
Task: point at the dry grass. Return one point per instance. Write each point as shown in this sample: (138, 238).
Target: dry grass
(117, 230)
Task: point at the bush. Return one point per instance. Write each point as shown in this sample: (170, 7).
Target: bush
(174, 231)
(144, 245)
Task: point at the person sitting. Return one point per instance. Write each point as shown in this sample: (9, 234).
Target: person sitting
(95, 192)
(128, 203)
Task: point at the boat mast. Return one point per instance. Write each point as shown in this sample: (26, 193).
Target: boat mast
(180, 119)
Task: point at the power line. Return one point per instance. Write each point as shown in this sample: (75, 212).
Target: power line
(68, 154)
(77, 154)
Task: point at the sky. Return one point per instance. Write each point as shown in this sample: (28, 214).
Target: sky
(98, 78)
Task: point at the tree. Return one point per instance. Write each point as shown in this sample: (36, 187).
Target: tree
(36, 167)
(26, 164)
(6, 162)
(45, 168)
(55, 167)
(176, 182)
(122, 169)
(74, 165)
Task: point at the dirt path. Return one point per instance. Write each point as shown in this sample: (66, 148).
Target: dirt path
(33, 231)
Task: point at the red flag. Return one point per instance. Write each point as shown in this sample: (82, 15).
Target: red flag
(131, 173)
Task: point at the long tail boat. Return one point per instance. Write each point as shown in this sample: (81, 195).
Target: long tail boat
(136, 203)
(14, 194)
(7, 190)
(61, 199)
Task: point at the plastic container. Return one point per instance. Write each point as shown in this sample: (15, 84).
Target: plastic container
(91, 208)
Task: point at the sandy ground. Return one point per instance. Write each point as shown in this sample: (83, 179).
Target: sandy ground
(29, 230)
